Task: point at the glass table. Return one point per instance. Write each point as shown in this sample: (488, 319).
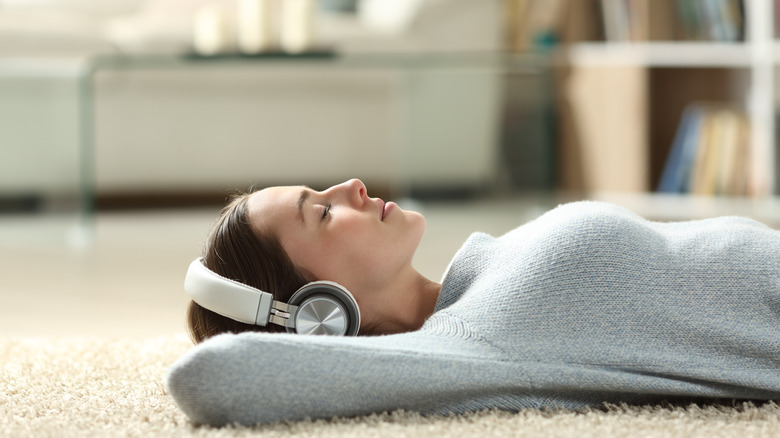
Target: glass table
(72, 122)
(46, 186)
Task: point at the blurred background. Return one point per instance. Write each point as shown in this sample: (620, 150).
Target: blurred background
(125, 124)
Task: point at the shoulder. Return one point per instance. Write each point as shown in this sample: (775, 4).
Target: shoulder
(590, 210)
(578, 218)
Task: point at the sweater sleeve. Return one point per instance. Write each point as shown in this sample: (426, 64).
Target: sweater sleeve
(255, 378)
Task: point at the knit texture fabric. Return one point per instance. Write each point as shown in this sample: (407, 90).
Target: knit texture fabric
(587, 304)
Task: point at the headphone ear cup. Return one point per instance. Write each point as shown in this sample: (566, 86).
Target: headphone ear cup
(325, 307)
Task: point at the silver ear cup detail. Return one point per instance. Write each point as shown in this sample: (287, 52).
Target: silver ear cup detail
(321, 316)
(332, 308)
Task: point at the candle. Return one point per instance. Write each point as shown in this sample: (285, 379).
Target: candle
(255, 26)
(298, 25)
(210, 30)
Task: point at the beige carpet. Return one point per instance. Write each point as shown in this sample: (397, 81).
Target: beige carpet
(98, 387)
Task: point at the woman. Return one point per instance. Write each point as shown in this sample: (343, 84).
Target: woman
(280, 238)
(587, 304)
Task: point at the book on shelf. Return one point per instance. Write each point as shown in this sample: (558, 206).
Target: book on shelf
(711, 153)
(669, 20)
(541, 24)
(625, 20)
(534, 24)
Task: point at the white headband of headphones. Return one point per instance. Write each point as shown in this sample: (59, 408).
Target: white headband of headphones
(227, 297)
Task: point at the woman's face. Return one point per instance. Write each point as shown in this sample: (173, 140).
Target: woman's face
(340, 234)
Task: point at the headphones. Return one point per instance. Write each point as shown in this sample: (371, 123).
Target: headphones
(318, 308)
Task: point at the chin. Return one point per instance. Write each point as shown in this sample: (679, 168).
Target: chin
(414, 217)
(417, 222)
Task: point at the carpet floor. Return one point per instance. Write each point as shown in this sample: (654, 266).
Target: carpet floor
(77, 386)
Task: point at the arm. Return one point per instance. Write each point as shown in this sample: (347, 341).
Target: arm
(261, 378)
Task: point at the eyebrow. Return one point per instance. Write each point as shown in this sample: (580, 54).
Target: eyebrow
(301, 199)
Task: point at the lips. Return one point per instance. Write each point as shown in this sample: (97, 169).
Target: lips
(385, 208)
(389, 206)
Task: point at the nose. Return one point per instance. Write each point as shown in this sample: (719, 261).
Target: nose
(353, 191)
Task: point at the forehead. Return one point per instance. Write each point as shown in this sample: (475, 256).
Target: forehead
(272, 206)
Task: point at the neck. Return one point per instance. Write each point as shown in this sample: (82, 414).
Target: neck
(406, 306)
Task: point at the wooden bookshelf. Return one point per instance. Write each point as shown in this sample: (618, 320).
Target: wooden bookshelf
(625, 84)
(661, 54)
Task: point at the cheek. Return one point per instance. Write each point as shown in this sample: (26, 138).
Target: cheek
(305, 254)
(326, 257)
(355, 249)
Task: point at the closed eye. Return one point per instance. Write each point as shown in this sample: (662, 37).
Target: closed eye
(325, 212)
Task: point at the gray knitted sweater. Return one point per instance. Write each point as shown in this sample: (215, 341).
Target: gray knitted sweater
(587, 304)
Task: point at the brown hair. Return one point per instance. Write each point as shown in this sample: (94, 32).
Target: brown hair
(233, 250)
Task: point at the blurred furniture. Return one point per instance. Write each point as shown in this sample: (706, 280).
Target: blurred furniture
(405, 122)
(425, 115)
(41, 142)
